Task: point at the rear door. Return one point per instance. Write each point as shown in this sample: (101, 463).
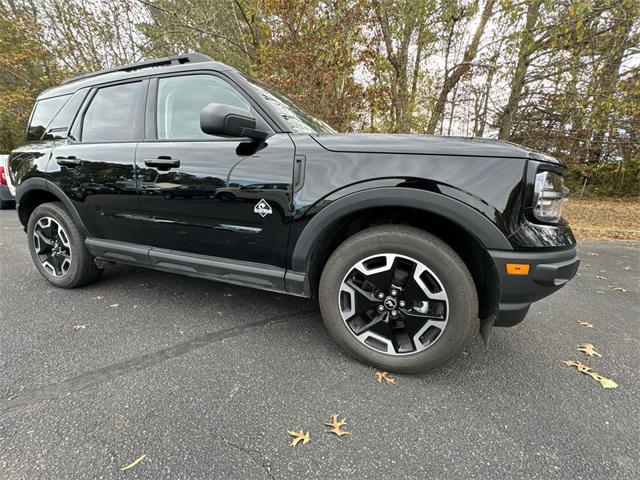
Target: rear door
(211, 195)
(96, 168)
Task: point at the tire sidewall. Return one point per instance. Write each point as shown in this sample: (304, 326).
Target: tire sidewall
(76, 242)
(439, 258)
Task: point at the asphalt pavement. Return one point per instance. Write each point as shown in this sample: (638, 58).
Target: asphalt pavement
(205, 379)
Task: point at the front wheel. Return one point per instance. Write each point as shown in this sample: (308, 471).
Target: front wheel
(398, 298)
(57, 248)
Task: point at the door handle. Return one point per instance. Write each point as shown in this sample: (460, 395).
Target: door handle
(163, 163)
(70, 161)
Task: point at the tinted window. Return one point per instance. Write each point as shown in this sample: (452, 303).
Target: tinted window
(114, 114)
(43, 113)
(181, 99)
(59, 126)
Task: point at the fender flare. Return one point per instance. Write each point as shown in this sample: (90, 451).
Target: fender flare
(31, 185)
(470, 220)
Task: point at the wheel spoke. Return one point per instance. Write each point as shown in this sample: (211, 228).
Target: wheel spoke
(384, 330)
(363, 301)
(44, 241)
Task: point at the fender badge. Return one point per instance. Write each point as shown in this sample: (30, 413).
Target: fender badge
(262, 208)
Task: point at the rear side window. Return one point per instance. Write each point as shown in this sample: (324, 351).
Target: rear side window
(115, 114)
(43, 113)
(59, 125)
(181, 99)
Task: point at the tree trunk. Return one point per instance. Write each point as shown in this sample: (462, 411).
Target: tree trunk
(517, 82)
(451, 80)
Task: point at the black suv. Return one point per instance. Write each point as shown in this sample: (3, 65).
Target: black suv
(411, 243)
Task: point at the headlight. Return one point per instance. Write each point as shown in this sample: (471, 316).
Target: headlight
(549, 196)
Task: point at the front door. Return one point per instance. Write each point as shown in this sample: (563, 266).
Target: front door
(97, 171)
(209, 195)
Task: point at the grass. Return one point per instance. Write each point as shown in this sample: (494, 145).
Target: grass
(608, 218)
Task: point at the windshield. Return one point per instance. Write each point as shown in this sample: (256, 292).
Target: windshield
(296, 118)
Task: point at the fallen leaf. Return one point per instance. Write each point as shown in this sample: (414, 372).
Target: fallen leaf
(99, 297)
(587, 265)
(133, 464)
(79, 327)
(298, 437)
(380, 376)
(336, 424)
(605, 382)
(600, 277)
(114, 305)
(585, 324)
(220, 313)
(617, 289)
(593, 254)
(588, 349)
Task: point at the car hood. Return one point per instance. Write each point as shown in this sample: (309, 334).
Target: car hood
(425, 145)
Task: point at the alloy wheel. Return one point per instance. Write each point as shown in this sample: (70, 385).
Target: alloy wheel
(52, 246)
(393, 304)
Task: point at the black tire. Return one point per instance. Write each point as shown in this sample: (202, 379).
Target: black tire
(440, 258)
(82, 269)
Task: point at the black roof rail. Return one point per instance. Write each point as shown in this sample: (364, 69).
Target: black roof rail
(156, 62)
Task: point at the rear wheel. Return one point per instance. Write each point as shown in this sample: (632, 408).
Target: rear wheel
(57, 248)
(398, 298)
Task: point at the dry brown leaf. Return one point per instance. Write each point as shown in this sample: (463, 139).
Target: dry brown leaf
(99, 297)
(585, 324)
(133, 464)
(617, 289)
(79, 327)
(588, 349)
(114, 305)
(220, 313)
(298, 437)
(380, 376)
(336, 424)
(605, 382)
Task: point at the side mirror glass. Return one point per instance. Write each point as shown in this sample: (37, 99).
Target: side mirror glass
(221, 119)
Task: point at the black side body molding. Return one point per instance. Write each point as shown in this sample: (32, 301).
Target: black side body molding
(255, 275)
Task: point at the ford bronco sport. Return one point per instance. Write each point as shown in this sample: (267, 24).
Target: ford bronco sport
(412, 244)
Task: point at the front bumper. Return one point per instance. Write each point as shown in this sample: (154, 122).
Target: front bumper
(549, 271)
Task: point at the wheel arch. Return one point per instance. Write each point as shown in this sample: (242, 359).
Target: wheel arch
(465, 230)
(34, 192)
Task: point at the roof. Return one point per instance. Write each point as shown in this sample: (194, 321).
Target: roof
(175, 63)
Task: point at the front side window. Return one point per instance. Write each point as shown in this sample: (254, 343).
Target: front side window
(44, 111)
(181, 99)
(114, 114)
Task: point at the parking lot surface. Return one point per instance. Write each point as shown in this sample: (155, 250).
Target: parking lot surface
(205, 379)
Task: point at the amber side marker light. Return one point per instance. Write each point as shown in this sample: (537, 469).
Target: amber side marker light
(518, 268)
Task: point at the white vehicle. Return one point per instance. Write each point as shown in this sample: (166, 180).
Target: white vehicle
(7, 189)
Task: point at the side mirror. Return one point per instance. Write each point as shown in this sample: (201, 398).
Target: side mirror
(221, 119)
